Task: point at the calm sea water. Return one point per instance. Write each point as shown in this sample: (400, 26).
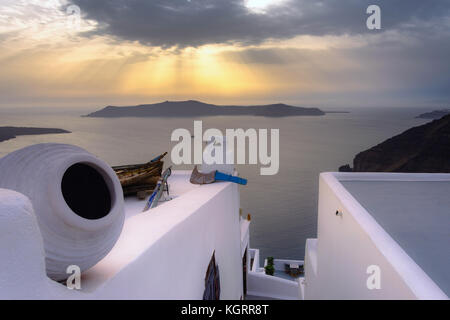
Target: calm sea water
(284, 206)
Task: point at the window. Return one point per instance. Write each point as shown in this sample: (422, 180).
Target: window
(212, 281)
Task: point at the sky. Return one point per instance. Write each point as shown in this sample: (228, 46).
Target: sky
(300, 52)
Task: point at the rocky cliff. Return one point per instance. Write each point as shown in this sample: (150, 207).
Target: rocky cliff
(424, 148)
(437, 114)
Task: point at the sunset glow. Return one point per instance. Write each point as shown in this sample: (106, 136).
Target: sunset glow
(45, 58)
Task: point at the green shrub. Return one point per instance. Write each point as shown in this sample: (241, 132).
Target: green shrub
(270, 270)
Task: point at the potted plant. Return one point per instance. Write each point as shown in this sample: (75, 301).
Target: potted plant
(269, 268)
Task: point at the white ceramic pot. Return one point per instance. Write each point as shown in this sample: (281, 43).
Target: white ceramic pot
(77, 199)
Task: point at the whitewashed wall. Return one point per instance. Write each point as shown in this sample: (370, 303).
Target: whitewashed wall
(347, 244)
(260, 284)
(161, 254)
(164, 254)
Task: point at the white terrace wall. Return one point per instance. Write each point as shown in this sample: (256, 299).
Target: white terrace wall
(164, 253)
(347, 245)
(161, 254)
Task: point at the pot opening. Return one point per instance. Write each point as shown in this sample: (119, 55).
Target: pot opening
(86, 192)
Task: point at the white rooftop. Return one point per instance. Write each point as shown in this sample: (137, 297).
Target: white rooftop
(380, 236)
(414, 210)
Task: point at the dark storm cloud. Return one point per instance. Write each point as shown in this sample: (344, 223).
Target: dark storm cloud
(197, 22)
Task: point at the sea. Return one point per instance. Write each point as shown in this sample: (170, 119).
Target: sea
(283, 207)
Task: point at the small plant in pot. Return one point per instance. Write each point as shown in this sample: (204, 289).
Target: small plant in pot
(269, 268)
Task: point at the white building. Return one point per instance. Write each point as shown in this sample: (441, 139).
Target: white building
(380, 236)
(380, 228)
(163, 253)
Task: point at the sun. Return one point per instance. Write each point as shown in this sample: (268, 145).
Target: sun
(261, 5)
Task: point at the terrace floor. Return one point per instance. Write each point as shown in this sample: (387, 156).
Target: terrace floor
(416, 214)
